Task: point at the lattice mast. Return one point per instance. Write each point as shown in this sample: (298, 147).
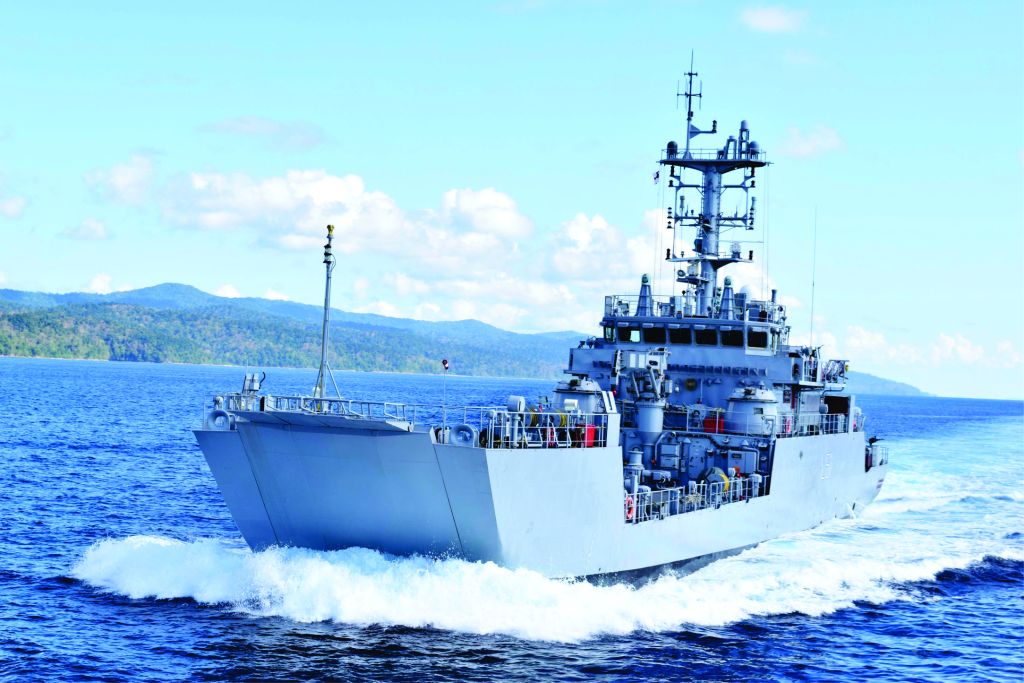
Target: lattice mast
(739, 153)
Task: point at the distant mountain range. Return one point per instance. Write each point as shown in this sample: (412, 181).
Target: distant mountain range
(181, 324)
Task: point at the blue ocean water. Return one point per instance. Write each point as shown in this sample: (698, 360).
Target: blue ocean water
(119, 561)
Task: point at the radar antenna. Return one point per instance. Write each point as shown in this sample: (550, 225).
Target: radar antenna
(325, 366)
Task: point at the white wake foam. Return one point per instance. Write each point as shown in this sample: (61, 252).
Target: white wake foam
(946, 505)
(814, 573)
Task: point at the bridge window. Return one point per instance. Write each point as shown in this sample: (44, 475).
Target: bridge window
(609, 334)
(629, 334)
(654, 335)
(681, 336)
(757, 339)
(707, 337)
(732, 337)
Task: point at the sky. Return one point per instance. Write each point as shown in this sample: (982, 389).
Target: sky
(494, 160)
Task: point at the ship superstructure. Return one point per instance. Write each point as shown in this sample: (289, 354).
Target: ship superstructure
(690, 427)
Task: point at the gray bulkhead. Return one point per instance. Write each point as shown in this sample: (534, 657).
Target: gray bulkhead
(557, 511)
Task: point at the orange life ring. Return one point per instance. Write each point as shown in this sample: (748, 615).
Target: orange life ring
(630, 509)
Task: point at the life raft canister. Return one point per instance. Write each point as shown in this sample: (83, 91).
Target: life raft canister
(463, 435)
(219, 419)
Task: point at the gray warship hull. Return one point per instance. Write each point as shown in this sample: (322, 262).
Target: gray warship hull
(315, 482)
(689, 428)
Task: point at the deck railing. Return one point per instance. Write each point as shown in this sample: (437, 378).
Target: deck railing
(645, 506)
(786, 425)
(757, 311)
(812, 424)
(537, 428)
(705, 154)
(493, 427)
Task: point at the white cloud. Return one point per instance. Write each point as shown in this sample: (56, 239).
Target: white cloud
(454, 261)
(860, 339)
(275, 134)
(750, 276)
(592, 250)
(3, 278)
(290, 211)
(474, 229)
(957, 347)
(12, 207)
(228, 291)
(945, 350)
(772, 19)
(1007, 356)
(129, 183)
(816, 142)
(88, 229)
(100, 284)
(428, 311)
(868, 345)
(823, 338)
(790, 301)
(486, 211)
(402, 284)
(273, 296)
(585, 238)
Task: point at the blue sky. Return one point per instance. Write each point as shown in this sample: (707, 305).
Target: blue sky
(494, 160)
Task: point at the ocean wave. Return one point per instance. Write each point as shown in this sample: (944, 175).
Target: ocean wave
(815, 573)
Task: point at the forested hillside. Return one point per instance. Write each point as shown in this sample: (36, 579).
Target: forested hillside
(233, 336)
(174, 323)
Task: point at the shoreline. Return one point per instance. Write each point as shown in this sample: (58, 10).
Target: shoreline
(438, 374)
(275, 367)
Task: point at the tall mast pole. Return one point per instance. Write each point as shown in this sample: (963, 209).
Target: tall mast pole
(689, 106)
(814, 270)
(325, 367)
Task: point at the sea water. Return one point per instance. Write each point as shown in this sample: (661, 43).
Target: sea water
(120, 561)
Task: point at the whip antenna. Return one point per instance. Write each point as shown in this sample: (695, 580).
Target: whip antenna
(325, 366)
(814, 270)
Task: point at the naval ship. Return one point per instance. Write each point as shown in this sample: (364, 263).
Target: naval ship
(689, 428)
